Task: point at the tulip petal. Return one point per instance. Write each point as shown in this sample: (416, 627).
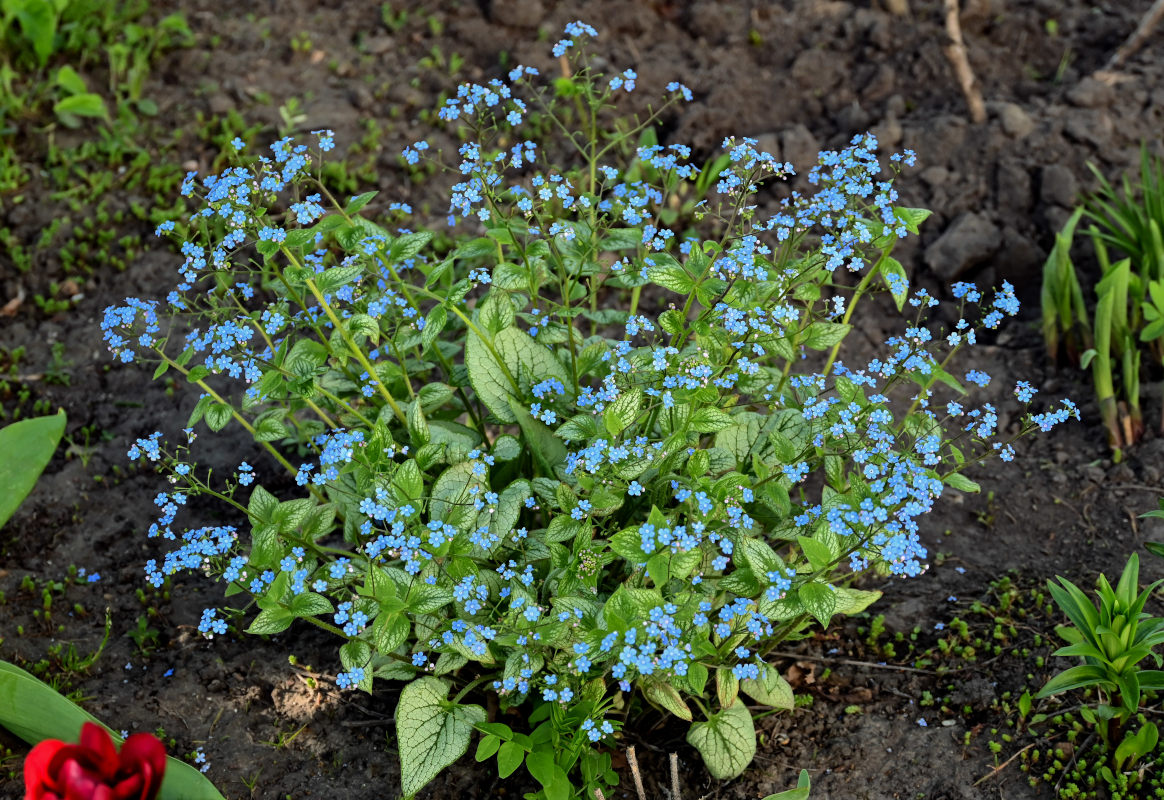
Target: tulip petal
(143, 754)
(133, 786)
(78, 783)
(38, 781)
(97, 740)
(84, 758)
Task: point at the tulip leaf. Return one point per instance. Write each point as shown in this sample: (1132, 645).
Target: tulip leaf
(30, 443)
(34, 711)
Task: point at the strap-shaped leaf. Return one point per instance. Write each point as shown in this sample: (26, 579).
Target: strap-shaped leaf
(1129, 685)
(1075, 678)
(1076, 606)
(1152, 680)
(28, 447)
(1081, 649)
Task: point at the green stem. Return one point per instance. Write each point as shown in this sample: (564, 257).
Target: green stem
(862, 287)
(356, 352)
(201, 384)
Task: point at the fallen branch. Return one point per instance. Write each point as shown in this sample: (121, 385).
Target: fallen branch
(956, 52)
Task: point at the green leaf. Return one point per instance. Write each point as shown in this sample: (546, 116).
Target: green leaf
(823, 335)
(582, 427)
(408, 245)
(38, 23)
(364, 325)
(358, 202)
(912, 217)
(629, 544)
(261, 505)
(548, 449)
(515, 356)
(819, 554)
(269, 426)
(891, 266)
(35, 711)
(271, 621)
(545, 770)
(389, 631)
(476, 248)
(760, 556)
(70, 81)
(673, 278)
(425, 599)
(28, 446)
(854, 601)
(740, 437)
(334, 278)
(819, 600)
(496, 311)
(962, 483)
(509, 758)
(82, 105)
(309, 604)
(431, 731)
(709, 420)
(801, 792)
(451, 499)
(197, 373)
(666, 696)
(217, 416)
(418, 432)
(487, 747)
(727, 687)
(727, 741)
(434, 323)
(621, 413)
(506, 448)
(1075, 678)
(769, 689)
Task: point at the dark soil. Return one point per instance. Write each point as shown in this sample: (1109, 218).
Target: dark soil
(796, 74)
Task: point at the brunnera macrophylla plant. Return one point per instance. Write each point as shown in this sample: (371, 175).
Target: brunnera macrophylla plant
(574, 461)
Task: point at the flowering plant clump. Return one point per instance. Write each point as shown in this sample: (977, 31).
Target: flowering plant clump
(581, 458)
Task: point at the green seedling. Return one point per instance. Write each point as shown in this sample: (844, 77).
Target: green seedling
(1129, 313)
(1065, 320)
(1112, 638)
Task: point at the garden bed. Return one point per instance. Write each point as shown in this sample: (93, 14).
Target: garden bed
(878, 717)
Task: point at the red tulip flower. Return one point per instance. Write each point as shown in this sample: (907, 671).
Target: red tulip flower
(93, 769)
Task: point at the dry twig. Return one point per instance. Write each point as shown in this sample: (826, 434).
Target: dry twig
(633, 762)
(956, 52)
(1148, 23)
(675, 777)
(1004, 764)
